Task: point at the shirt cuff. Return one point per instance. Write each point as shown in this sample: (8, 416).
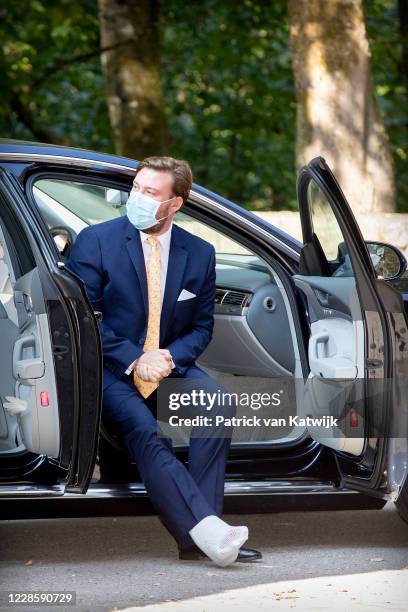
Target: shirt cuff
(130, 368)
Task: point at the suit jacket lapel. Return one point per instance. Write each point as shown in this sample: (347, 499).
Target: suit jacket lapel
(134, 247)
(175, 272)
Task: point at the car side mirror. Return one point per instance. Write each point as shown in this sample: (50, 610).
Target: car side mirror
(389, 262)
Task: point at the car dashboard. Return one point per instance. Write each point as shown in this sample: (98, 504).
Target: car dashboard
(251, 328)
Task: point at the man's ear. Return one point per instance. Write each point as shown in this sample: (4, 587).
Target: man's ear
(177, 204)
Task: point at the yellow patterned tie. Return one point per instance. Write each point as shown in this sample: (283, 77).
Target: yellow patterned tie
(153, 324)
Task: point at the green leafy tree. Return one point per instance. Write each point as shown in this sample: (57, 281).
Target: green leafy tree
(228, 85)
(227, 82)
(50, 74)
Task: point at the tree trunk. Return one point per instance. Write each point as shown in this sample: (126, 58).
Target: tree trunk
(337, 115)
(132, 74)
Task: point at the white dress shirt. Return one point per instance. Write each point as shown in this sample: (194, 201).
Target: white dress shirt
(164, 245)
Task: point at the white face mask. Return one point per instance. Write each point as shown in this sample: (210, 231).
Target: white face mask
(141, 210)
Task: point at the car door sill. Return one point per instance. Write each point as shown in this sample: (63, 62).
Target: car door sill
(22, 491)
(100, 490)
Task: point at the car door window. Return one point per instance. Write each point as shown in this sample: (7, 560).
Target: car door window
(75, 205)
(327, 231)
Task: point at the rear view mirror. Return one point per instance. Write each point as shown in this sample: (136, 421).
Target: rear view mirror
(115, 197)
(388, 261)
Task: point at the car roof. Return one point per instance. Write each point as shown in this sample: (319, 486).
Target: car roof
(27, 147)
(9, 145)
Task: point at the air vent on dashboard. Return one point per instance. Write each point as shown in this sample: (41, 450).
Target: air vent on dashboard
(236, 298)
(229, 301)
(219, 294)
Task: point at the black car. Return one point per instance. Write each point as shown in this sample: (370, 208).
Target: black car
(325, 318)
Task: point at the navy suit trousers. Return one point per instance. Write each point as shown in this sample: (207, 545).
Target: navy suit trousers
(182, 496)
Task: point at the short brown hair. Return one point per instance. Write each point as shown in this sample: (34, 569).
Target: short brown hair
(180, 169)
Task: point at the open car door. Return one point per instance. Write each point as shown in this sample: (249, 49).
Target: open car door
(51, 385)
(356, 392)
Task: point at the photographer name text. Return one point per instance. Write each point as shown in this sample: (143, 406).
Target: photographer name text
(252, 421)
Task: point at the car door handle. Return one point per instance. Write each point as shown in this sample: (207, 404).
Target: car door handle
(315, 341)
(29, 368)
(328, 366)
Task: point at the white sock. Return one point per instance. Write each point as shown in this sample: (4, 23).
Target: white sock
(219, 540)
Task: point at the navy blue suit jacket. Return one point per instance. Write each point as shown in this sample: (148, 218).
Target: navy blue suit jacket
(108, 257)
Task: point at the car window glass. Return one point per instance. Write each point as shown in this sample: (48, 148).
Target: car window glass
(75, 204)
(228, 251)
(328, 232)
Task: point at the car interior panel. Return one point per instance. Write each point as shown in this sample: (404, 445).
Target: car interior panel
(28, 365)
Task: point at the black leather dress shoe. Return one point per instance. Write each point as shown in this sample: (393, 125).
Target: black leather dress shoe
(192, 553)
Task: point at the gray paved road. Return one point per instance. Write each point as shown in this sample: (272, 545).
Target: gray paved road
(114, 563)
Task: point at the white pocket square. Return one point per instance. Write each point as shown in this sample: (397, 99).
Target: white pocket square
(185, 295)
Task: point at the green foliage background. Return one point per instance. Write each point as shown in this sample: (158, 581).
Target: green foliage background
(227, 82)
